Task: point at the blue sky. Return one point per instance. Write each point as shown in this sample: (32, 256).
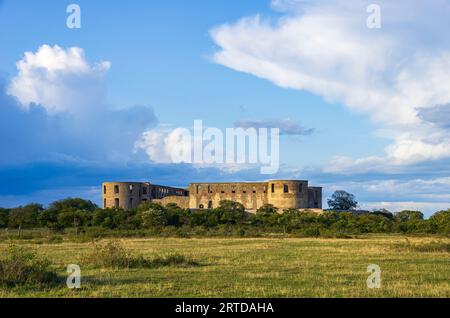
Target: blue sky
(169, 63)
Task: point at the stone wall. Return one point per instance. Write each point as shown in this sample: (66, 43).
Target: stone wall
(129, 195)
(182, 202)
(283, 194)
(315, 197)
(208, 195)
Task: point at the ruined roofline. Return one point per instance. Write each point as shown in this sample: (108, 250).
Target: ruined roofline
(143, 182)
(249, 182)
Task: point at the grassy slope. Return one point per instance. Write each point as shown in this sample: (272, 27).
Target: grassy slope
(262, 267)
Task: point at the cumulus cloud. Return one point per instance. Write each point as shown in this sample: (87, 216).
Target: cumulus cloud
(58, 79)
(55, 109)
(326, 48)
(438, 115)
(286, 126)
(159, 145)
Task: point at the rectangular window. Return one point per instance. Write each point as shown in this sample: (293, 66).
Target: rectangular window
(285, 188)
(144, 190)
(104, 189)
(104, 203)
(273, 188)
(116, 203)
(116, 189)
(233, 191)
(300, 188)
(131, 202)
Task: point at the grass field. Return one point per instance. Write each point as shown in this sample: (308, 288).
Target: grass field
(259, 267)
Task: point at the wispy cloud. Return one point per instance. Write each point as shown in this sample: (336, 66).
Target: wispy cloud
(325, 47)
(286, 126)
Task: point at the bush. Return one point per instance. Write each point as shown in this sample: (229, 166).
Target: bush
(114, 255)
(21, 267)
(173, 260)
(435, 246)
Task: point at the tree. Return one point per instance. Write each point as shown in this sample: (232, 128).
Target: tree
(72, 204)
(407, 215)
(441, 221)
(266, 210)
(155, 215)
(230, 212)
(25, 217)
(76, 219)
(4, 216)
(342, 201)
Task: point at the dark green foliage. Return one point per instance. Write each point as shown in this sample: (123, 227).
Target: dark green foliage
(153, 215)
(4, 216)
(22, 267)
(25, 216)
(72, 204)
(230, 218)
(441, 222)
(342, 201)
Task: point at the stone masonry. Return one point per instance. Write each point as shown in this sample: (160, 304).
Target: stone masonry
(283, 194)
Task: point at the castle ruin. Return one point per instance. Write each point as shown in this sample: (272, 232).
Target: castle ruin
(283, 194)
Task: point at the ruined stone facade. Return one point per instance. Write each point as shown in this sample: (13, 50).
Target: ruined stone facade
(128, 195)
(283, 194)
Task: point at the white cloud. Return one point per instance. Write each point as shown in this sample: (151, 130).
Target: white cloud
(57, 79)
(395, 206)
(325, 47)
(425, 194)
(286, 126)
(164, 146)
(158, 145)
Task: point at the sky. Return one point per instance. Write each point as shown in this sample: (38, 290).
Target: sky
(366, 110)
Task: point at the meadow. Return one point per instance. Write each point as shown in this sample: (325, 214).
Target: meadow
(253, 267)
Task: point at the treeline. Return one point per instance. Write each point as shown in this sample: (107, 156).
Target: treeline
(81, 214)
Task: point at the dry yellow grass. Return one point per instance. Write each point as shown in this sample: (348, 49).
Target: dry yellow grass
(262, 267)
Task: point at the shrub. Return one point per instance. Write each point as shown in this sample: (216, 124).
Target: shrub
(114, 255)
(436, 246)
(173, 260)
(21, 267)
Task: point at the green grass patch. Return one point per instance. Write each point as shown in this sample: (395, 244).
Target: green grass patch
(22, 267)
